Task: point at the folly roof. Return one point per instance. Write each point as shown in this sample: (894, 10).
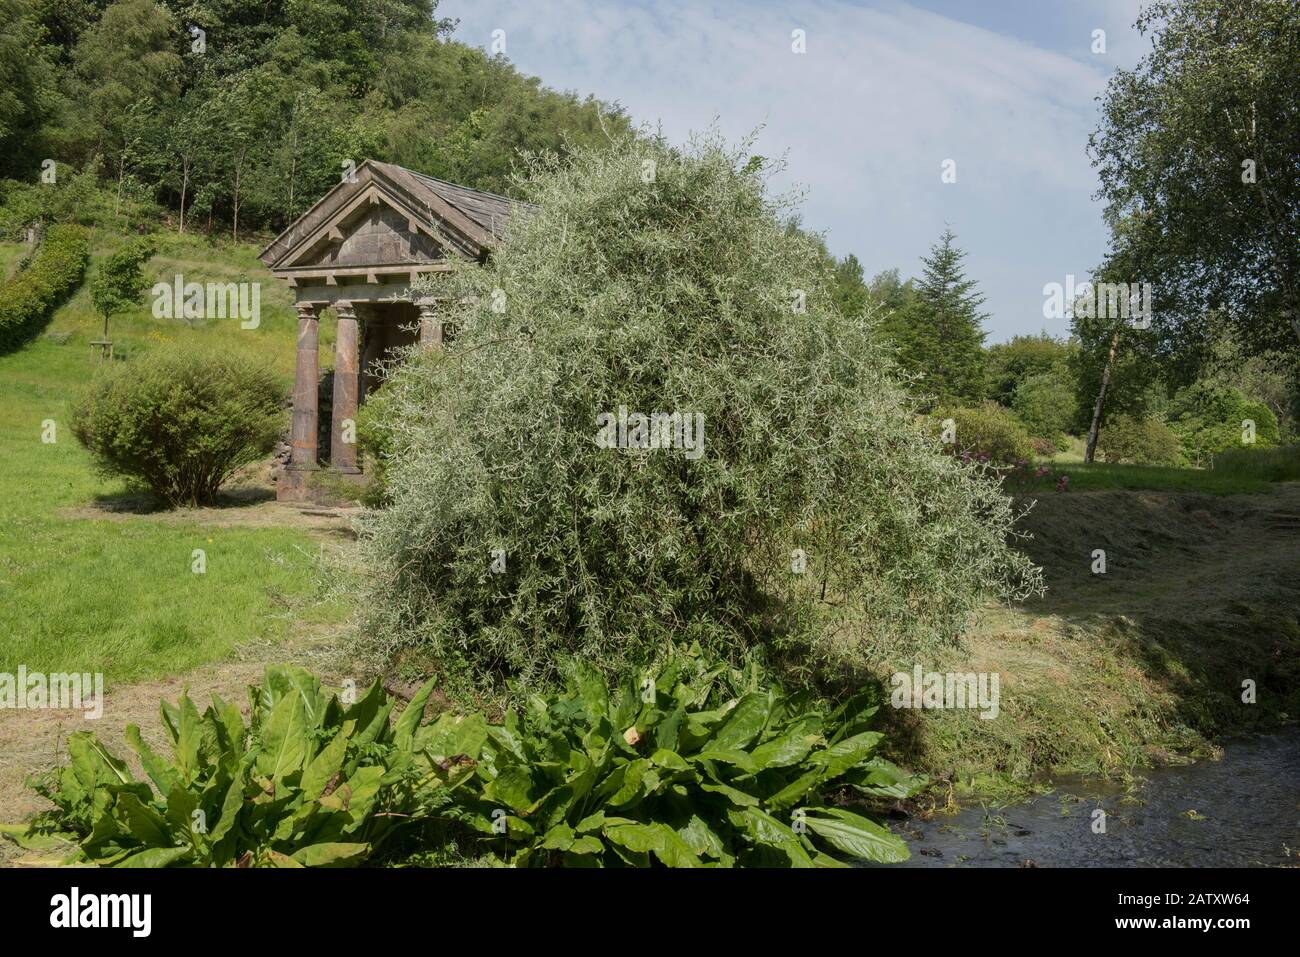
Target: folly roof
(467, 221)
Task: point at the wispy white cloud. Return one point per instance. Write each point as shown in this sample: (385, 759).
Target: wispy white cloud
(885, 93)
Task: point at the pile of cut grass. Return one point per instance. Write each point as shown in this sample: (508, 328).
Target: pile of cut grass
(1144, 663)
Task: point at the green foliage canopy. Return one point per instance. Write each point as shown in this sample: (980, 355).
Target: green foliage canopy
(244, 114)
(1210, 417)
(1197, 152)
(1046, 403)
(1008, 364)
(120, 282)
(683, 294)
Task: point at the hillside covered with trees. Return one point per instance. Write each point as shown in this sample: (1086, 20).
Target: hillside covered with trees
(239, 116)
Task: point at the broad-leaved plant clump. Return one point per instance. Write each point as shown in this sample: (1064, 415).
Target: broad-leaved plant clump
(788, 497)
(692, 765)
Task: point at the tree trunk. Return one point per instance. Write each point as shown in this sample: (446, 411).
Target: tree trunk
(121, 174)
(293, 176)
(185, 182)
(1101, 400)
(239, 175)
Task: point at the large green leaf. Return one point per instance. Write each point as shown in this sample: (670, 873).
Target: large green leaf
(374, 732)
(358, 796)
(734, 795)
(763, 828)
(657, 839)
(558, 838)
(189, 739)
(856, 835)
(744, 725)
(513, 788)
(143, 822)
(278, 860)
(233, 732)
(364, 709)
(181, 805)
(669, 760)
(627, 782)
(331, 855)
(230, 808)
(629, 702)
(284, 739)
(155, 857)
(783, 751)
(453, 735)
(592, 690)
(328, 763)
(853, 715)
(668, 731)
(734, 757)
(701, 838)
(845, 754)
(588, 845)
(170, 717)
(160, 772)
(795, 791)
(880, 778)
(93, 764)
(409, 720)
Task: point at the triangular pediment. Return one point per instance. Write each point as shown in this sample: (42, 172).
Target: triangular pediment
(376, 234)
(382, 216)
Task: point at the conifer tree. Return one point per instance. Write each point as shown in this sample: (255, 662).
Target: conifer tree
(939, 334)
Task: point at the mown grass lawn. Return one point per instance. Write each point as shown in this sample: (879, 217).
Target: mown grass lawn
(1239, 471)
(119, 595)
(1099, 476)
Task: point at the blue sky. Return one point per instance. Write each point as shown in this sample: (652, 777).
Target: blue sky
(886, 92)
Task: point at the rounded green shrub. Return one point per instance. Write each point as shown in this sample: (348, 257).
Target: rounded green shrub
(180, 421)
(986, 432)
(1210, 417)
(804, 512)
(1132, 440)
(1045, 402)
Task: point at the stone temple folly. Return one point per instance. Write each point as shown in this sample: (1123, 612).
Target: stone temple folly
(358, 251)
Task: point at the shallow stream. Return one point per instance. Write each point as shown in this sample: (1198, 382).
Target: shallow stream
(1240, 811)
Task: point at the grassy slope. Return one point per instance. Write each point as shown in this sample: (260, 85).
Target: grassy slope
(10, 254)
(1144, 663)
(81, 593)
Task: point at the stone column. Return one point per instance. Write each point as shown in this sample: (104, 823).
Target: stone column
(306, 372)
(347, 366)
(430, 324)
